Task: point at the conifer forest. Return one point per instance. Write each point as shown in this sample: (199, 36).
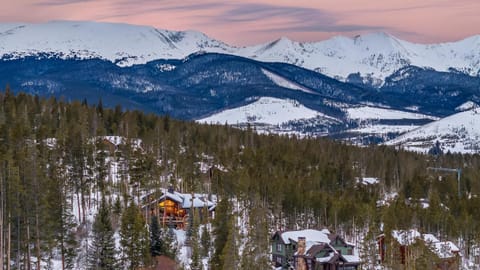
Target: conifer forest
(69, 200)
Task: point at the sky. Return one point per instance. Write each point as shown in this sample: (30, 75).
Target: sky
(251, 22)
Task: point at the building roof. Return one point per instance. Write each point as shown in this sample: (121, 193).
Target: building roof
(309, 234)
(443, 249)
(186, 201)
(407, 237)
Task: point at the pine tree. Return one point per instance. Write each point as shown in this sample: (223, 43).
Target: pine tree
(205, 241)
(102, 249)
(157, 247)
(134, 238)
(196, 263)
(170, 243)
(67, 240)
(221, 231)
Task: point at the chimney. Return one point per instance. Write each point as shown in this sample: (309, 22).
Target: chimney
(170, 189)
(301, 246)
(300, 257)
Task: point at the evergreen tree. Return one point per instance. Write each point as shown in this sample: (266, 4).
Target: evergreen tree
(221, 225)
(205, 241)
(102, 249)
(134, 238)
(170, 243)
(157, 247)
(67, 240)
(193, 240)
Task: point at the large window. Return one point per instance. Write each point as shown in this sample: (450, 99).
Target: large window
(279, 247)
(279, 261)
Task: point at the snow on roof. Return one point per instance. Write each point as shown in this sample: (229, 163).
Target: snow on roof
(445, 249)
(352, 258)
(406, 237)
(327, 258)
(185, 199)
(430, 238)
(309, 234)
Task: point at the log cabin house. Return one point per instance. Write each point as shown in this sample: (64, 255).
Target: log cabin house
(444, 255)
(174, 209)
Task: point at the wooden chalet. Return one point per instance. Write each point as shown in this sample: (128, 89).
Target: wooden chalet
(174, 209)
(445, 255)
(313, 250)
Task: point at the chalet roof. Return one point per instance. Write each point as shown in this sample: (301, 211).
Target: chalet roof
(406, 238)
(315, 249)
(443, 249)
(352, 258)
(309, 234)
(186, 200)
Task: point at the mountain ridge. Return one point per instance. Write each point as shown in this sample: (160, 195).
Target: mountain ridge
(374, 56)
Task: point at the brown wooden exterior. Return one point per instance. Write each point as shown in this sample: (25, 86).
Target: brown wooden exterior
(400, 254)
(170, 213)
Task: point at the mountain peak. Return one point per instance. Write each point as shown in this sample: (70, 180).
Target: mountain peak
(374, 55)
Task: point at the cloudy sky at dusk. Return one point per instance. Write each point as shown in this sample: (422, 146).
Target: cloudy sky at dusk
(254, 21)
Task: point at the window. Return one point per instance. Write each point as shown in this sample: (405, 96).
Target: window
(279, 247)
(279, 260)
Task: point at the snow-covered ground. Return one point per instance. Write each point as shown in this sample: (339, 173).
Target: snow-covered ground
(265, 110)
(457, 133)
(368, 113)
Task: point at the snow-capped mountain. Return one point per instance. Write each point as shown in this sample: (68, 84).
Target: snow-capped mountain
(456, 133)
(123, 44)
(373, 56)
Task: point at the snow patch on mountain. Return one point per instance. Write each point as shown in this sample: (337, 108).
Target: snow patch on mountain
(369, 113)
(282, 82)
(456, 133)
(466, 106)
(266, 110)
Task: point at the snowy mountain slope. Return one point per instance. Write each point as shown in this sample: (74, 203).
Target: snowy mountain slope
(121, 43)
(265, 110)
(372, 56)
(282, 82)
(368, 112)
(457, 133)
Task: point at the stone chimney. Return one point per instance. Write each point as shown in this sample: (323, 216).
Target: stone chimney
(301, 246)
(300, 259)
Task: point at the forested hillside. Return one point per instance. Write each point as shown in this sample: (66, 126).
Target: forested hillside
(61, 201)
